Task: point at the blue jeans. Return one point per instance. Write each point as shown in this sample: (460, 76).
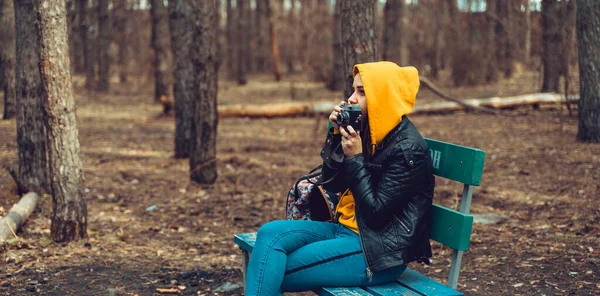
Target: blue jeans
(299, 255)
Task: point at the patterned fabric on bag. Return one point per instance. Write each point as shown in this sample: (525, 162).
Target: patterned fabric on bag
(298, 200)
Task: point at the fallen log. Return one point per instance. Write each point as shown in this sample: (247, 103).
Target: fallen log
(18, 214)
(323, 108)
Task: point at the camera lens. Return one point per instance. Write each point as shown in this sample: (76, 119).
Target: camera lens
(343, 118)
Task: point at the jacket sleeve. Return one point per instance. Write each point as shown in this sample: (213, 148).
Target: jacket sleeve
(332, 174)
(405, 172)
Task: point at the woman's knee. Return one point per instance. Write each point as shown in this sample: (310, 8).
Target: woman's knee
(272, 228)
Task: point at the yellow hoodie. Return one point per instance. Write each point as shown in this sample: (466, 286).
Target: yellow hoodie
(391, 92)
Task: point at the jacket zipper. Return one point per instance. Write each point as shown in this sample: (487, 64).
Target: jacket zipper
(369, 273)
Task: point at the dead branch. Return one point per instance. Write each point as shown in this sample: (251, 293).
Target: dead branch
(13, 174)
(428, 84)
(17, 215)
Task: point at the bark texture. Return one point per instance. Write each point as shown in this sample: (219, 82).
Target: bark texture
(274, 43)
(122, 34)
(103, 45)
(7, 58)
(336, 78)
(30, 121)
(87, 42)
(203, 157)
(241, 50)
(588, 37)
(392, 32)
(359, 42)
(159, 12)
(551, 41)
(69, 211)
(230, 28)
(182, 38)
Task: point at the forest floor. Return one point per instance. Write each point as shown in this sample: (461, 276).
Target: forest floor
(544, 184)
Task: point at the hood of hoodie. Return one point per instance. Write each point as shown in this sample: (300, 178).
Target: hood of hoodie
(391, 92)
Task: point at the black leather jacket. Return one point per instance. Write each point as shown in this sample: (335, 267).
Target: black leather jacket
(393, 195)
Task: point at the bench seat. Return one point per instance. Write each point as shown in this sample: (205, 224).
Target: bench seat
(410, 282)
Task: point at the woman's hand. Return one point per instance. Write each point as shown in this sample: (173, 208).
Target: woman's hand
(351, 141)
(333, 116)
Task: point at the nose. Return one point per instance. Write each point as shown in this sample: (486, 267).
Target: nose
(353, 100)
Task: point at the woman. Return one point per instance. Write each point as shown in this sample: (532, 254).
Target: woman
(381, 220)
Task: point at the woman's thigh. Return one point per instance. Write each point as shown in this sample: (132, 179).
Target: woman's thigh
(337, 262)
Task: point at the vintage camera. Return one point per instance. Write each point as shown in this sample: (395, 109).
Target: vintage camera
(350, 115)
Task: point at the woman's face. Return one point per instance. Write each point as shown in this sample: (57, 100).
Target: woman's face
(358, 96)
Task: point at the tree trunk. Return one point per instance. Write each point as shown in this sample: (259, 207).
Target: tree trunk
(203, 155)
(69, 213)
(74, 43)
(87, 43)
(230, 27)
(30, 121)
(492, 42)
(259, 28)
(551, 40)
(247, 39)
(121, 36)
(181, 21)
(103, 45)
(305, 13)
(392, 34)
(274, 43)
(588, 37)
(437, 41)
(336, 75)
(7, 58)
(241, 42)
(291, 19)
(527, 37)
(358, 37)
(160, 45)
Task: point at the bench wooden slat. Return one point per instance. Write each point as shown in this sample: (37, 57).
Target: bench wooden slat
(245, 240)
(342, 292)
(391, 289)
(424, 285)
(458, 163)
(451, 228)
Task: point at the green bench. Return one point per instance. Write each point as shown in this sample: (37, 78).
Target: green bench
(449, 227)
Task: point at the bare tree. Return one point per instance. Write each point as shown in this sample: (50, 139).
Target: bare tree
(160, 37)
(551, 41)
(274, 43)
(261, 37)
(181, 21)
(87, 42)
(588, 39)
(392, 32)
(69, 214)
(31, 139)
(241, 36)
(203, 155)
(121, 36)
(103, 45)
(7, 58)
(337, 74)
(230, 38)
(527, 35)
(359, 43)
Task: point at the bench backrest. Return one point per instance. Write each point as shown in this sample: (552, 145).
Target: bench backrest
(450, 227)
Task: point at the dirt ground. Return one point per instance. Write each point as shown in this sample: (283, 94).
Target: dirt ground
(545, 184)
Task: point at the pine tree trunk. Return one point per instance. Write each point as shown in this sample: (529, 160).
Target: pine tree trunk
(240, 42)
(69, 213)
(492, 41)
(87, 43)
(248, 32)
(291, 56)
(121, 30)
(160, 46)
(203, 155)
(527, 41)
(588, 37)
(358, 37)
(392, 34)
(337, 73)
(230, 27)
(551, 40)
(437, 41)
(259, 29)
(274, 43)
(7, 58)
(103, 45)
(181, 22)
(74, 43)
(30, 121)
